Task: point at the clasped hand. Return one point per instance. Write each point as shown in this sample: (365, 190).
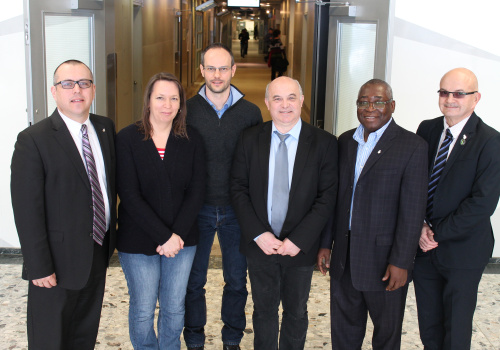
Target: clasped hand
(171, 247)
(271, 245)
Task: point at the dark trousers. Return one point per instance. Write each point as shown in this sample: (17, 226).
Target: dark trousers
(60, 318)
(446, 301)
(271, 283)
(274, 71)
(349, 312)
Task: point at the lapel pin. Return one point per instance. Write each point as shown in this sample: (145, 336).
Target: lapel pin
(103, 130)
(379, 151)
(463, 140)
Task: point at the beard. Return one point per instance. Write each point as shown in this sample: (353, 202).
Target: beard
(220, 89)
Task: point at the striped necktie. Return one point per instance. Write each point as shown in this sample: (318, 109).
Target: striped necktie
(99, 224)
(439, 163)
(280, 186)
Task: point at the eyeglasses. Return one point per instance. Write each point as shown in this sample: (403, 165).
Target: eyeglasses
(456, 94)
(376, 104)
(212, 70)
(70, 84)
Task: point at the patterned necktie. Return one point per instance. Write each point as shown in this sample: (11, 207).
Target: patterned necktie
(97, 200)
(439, 163)
(280, 186)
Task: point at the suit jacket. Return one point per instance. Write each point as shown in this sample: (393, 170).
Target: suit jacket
(312, 192)
(158, 197)
(388, 209)
(467, 193)
(52, 200)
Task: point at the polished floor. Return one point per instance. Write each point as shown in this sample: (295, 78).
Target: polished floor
(252, 76)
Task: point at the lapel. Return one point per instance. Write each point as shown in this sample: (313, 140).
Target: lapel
(352, 152)
(301, 156)
(434, 137)
(103, 135)
(468, 130)
(264, 149)
(381, 147)
(64, 138)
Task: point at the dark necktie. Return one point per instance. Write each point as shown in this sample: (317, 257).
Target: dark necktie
(280, 186)
(437, 170)
(99, 229)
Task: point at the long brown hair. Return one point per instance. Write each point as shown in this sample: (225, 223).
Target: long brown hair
(179, 123)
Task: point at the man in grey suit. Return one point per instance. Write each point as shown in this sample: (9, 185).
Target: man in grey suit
(284, 183)
(375, 230)
(64, 199)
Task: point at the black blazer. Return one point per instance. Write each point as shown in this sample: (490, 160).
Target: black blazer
(52, 200)
(467, 193)
(388, 209)
(158, 197)
(312, 193)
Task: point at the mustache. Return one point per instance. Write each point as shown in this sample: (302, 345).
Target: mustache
(452, 105)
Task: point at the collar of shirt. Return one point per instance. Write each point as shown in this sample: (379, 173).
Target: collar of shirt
(294, 132)
(456, 129)
(373, 137)
(75, 127)
(234, 96)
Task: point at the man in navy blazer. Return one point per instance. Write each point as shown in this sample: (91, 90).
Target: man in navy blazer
(281, 259)
(457, 239)
(65, 258)
(376, 226)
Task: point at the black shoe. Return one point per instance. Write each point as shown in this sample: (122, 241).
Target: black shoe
(197, 348)
(231, 347)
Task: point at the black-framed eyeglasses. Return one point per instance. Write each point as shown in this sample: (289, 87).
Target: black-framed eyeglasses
(456, 94)
(70, 84)
(212, 70)
(376, 104)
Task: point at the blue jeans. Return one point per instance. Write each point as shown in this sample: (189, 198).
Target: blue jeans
(234, 298)
(152, 278)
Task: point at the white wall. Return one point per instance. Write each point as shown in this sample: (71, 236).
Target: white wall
(14, 104)
(430, 38)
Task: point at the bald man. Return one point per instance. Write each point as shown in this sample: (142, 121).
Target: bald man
(456, 241)
(283, 186)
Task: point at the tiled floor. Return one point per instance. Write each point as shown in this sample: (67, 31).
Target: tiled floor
(113, 333)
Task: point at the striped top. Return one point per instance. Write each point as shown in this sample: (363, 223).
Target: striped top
(161, 152)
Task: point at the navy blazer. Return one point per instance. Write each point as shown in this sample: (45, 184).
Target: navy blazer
(52, 200)
(158, 197)
(467, 193)
(312, 192)
(388, 209)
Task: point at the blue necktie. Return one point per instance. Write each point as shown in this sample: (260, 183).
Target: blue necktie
(99, 222)
(439, 163)
(280, 186)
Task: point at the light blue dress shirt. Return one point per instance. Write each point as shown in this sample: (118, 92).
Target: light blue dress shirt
(291, 143)
(228, 103)
(364, 151)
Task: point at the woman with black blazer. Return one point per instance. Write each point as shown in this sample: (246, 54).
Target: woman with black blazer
(161, 184)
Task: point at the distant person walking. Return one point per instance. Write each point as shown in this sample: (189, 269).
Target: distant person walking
(244, 37)
(277, 56)
(255, 32)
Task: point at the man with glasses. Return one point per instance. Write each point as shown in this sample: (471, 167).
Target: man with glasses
(219, 113)
(64, 199)
(376, 226)
(457, 239)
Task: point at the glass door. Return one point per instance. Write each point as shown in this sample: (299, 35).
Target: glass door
(56, 31)
(357, 52)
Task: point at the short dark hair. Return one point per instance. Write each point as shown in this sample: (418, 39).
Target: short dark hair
(276, 32)
(216, 46)
(179, 123)
(388, 89)
(74, 63)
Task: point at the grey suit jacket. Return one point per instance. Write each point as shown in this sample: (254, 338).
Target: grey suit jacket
(388, 209)
(52, 200)
(312, 192)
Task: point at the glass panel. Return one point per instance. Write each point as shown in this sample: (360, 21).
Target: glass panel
(65, 37)
(356, 67)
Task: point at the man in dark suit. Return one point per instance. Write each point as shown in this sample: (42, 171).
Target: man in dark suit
(284, 183)
(63, 196)
(457, 239)
(375, 230)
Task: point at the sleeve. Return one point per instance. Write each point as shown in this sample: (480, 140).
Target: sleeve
(411, 213)
(28, 203)
(194, 194)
